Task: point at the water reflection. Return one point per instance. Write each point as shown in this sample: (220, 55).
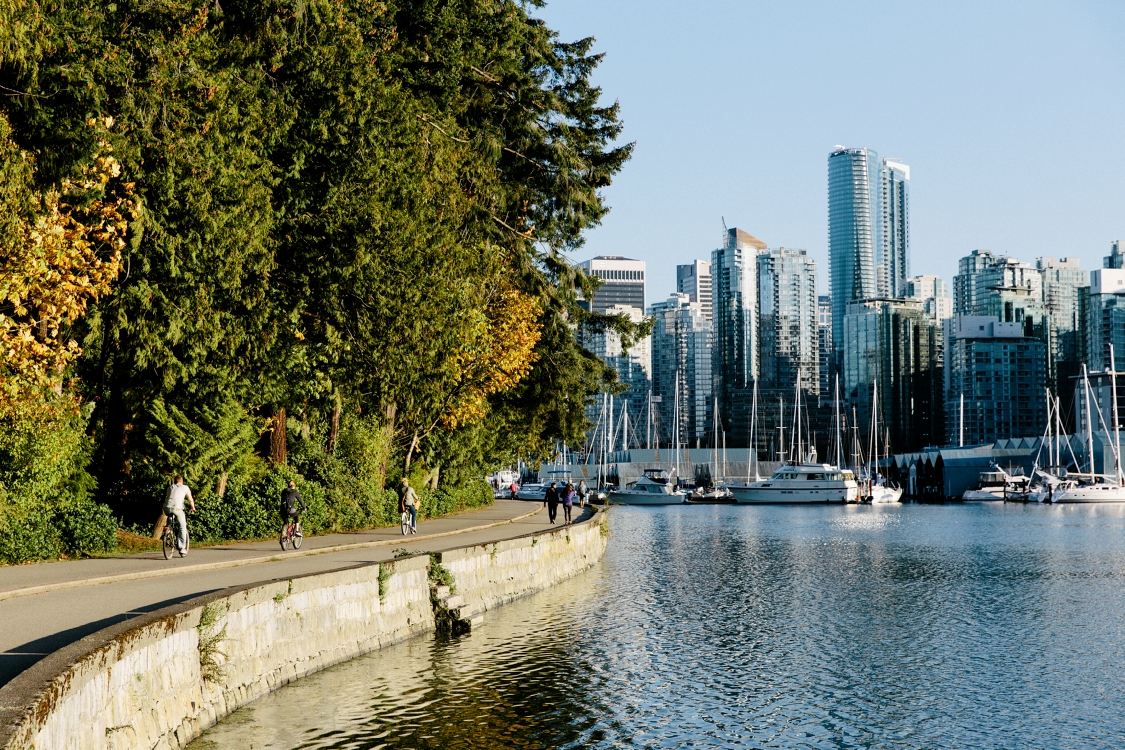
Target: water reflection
(904, 627)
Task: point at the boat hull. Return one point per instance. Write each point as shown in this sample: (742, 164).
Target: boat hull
(783, 496)
(1098, 493)
(977, 496)
(886, 496)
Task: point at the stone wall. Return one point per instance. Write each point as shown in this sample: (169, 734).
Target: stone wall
(159, 680)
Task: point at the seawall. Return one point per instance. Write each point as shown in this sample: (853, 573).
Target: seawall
(159, 680)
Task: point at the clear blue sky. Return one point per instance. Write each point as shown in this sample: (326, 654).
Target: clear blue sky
(1011, 116)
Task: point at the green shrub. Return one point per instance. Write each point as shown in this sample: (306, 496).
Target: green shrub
(251, 507)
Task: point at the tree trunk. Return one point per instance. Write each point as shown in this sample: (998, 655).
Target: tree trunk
(389, 437)
(221, 487)
(410, 453)
(434, 476)
(160, 523)
(277, 437)
(334, 427)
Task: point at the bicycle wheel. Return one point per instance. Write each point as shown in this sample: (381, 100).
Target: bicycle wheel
(284, 536)
(168, 540)
(298, 537)
(405, 523)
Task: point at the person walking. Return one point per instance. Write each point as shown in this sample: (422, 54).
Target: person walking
(515, 489)
(551, 500)
(568, 502)
(582, 492)
(174, 506)
(408, 501)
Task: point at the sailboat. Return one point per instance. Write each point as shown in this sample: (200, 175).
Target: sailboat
(799, 479)
(657, 486)
(879, 490)
(1098, 488)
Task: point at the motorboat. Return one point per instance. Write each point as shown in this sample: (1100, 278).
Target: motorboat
(991, 485)
(656, 487)
(800, 483)
(883, 492)
(1098, 488)
(534, 491)
(1102, 490)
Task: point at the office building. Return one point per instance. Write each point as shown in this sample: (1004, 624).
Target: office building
(1115, 259)
(634, 367)
(895, 344)
(787, 321)
(694, 280)
(854, 227)
(623, 282)
(933, 291)
(998, 369)
(681, 367)
(895, 234)
(734, 366)
(824, 345)
(1106, 319)
(1066, 289)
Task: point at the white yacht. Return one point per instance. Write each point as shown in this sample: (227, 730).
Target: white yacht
(991, 485)
(1098, 488)
(656, 487)
(801, 483)
(884, 493)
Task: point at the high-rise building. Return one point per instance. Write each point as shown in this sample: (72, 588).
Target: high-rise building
(1066, 290)
(934, 293)
(1115, 259)
(895, 344)
(623, 282)
(1106, 319)
(734, 349)
(854, 230)
(894, 191)
(634, 367)
(787, 320)
(694, 280)
(998, 370)
(824, 344)
(681, 367)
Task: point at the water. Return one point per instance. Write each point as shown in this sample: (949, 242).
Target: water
(912, 626)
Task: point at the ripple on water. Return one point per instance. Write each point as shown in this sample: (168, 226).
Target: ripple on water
(753, 627)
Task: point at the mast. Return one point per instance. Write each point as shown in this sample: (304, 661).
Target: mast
(1058, 429)
(839, 429)
(874, 432)
(1089, 421)
(753, 445)
(1116, 423)
(715, 440)
(961, 432)
(781, 426)
(797, 418)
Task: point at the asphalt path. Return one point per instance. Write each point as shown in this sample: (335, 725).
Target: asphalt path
(32, 625)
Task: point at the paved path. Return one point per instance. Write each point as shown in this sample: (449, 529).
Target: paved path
(35, 624)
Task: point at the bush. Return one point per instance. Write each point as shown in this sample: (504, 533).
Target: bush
(446, 500)
(251, 507)
(43, 532)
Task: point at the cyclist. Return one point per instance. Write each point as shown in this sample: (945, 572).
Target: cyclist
(291, 506)
(408, 501)
(174, 506)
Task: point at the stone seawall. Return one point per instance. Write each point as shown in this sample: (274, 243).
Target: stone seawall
(159, 680)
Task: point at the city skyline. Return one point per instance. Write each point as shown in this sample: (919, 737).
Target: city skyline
(980, 97)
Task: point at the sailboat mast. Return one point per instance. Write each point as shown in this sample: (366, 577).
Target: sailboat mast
(1116, 422)
(839, 427)
(781, 426)
(753, 447)
(961, 430)
(1089, 420)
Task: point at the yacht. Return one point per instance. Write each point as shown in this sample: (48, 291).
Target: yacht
(656, 487)
(1097, 488)
(879, 490)
(991, 485)
(801, 483)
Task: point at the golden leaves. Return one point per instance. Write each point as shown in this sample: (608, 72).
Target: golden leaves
(56, 264)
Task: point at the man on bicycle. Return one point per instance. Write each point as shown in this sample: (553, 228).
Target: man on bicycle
(174, 506)
(292, 505)
(408, 501)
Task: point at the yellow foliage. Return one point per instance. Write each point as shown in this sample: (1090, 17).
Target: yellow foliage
(498, 357)
(52, 266)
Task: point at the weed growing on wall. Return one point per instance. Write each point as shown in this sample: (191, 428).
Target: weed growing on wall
(439, 575)
(385, 573)
(209, 639)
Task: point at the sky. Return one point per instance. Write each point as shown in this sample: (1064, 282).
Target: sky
(1011, 116)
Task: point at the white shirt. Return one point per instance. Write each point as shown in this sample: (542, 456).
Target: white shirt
(177, 493)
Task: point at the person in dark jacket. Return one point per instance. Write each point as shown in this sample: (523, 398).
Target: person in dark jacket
(551, 500)
(568, 498)
(292, 505)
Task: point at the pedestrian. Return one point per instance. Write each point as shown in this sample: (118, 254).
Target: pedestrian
(568, 501)
(582, 492)
(551, 500)
(174, 506)
(408, 501)
(515, 489)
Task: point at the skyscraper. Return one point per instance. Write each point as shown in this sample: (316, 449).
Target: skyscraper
(934, 293)
(854, 228)
(735, 347)
(1066, 289)
(694, 280)
(824, 344)
(787, 320)
(1106, 316)
(681, 367)
(623, 282)
(894, 192)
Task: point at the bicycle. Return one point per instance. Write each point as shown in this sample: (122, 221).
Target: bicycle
(291, 534)
(168, 537)
(407, 525)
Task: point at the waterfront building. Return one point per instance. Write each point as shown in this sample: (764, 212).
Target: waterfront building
(854, 226)
(895, 344)
(999, 369)
(735, 317)
(634, 367)
(1066, 295)
(894, 193)
(824, 344)
(623, 282)
(694, 280)
(787, 320)
(681, 366)
(933, 291)
(1106, 318)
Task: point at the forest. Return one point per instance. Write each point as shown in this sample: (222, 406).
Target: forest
(322, 240)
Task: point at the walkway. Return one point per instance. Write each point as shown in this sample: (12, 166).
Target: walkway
(35, 624)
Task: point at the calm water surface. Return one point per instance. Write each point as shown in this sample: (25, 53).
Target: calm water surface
(917, 626)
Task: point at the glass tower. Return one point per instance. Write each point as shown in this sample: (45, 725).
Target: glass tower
(787, 320)
(681, 366)
(854, 229)
(895, 195)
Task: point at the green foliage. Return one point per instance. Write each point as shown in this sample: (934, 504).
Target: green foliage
(251, 507)
(385, 574)
(210, 638)
(444, 500)
(439, 575)
(200, 445)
